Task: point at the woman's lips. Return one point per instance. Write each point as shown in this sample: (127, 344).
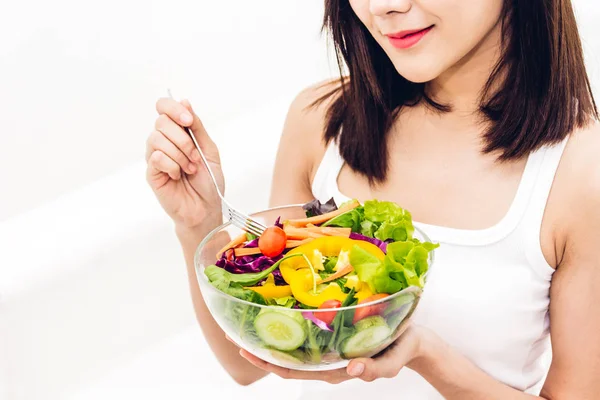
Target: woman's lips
(406, 39)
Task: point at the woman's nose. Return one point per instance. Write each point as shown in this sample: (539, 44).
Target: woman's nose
(383, 7)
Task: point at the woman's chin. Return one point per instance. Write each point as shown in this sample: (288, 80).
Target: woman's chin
(419, 73)
(418, 76)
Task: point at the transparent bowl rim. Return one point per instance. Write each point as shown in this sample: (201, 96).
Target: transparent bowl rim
(205, 284)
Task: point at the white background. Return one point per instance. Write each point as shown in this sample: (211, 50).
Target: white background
(93, 294)
(79, 79)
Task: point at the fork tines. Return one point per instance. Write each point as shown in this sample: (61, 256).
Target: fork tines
(244, 222)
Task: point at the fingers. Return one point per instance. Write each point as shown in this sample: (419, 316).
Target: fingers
(206, 143)
(369, 369)
(160, 163)
(387, 365)
(176, 135)
(158, 141)
(175, 111)
(395, 357)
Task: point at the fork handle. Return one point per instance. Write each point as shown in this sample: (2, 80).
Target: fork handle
(212, 176)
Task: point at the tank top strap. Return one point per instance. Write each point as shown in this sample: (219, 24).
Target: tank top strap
(324, 185)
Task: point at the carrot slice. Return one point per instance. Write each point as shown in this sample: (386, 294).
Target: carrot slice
(319, 219)
(250, 251)
(295, 243)
(246, 251)
(301, 234)
(338, 274)
(234, 243)
(329, 231)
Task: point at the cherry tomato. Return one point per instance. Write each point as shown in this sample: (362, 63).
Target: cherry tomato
(272, 242)
(375, 309)
(328, 316)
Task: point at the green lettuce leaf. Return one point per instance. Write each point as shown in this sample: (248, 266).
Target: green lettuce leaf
(241, 316)
(329, 264)
(242, 293)
(287, 302)
(350, 219)
(405, 264)
(368, 228)
(392, 221)
(382, 211)
(377, 219)
(372, 271)
(398, 231)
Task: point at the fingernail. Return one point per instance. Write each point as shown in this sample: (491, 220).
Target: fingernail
(186, 118)
(357, 369)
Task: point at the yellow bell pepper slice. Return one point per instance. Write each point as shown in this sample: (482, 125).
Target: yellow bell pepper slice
(363, 293)
(328, 246)
(301, 283)
(353, 282)
(271, 291)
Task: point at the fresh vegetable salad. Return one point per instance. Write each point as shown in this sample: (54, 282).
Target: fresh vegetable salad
(307, 269)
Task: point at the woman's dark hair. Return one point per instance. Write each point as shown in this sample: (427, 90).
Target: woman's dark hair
(542, 89)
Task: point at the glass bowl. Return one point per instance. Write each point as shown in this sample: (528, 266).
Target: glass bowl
(287, 337)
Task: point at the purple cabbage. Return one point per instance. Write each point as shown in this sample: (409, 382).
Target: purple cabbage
(249, 264)
(252, 243)
(278, 222)
(315, 207)
(311, 317)
(278, 278)
(379, 243)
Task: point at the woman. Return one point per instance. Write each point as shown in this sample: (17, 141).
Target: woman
(477, 116)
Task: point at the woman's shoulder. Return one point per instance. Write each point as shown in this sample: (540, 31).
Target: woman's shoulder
(313, 93)
(581, 162)
(309, 107)
(575, 196)
(306, 120)
(301, 147)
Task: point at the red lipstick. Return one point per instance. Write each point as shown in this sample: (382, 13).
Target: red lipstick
(406, 39)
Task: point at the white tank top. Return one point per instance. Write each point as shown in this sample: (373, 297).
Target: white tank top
(487, 293)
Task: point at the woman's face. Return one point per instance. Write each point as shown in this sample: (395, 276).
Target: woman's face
(424, 38)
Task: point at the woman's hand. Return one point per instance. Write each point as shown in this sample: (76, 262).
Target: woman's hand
(175, 170)
(406, 350)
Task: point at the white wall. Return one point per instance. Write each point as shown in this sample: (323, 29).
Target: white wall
(93, 294)
(79, 79)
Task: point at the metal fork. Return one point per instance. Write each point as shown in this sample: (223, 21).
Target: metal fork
(234, 216)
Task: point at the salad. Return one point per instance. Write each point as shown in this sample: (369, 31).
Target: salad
(355, 255)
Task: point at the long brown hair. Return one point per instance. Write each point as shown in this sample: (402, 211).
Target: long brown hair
(544, 94)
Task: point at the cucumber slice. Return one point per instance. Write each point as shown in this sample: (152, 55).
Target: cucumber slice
(282, 330)
(371, 332)
(288, 358)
